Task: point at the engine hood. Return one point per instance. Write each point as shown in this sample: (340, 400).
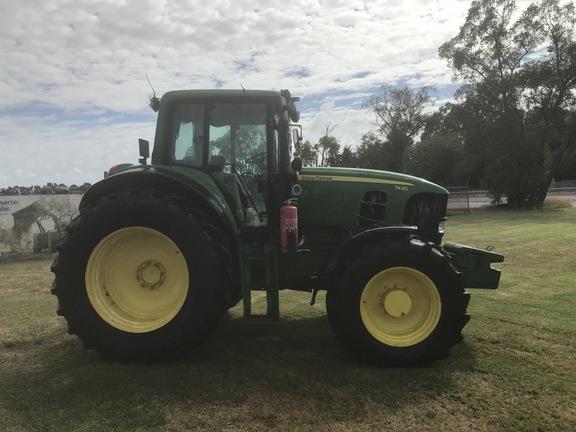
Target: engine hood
(358, 175)
(345, 198)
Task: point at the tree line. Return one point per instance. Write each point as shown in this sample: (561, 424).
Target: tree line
(48, 189)
(512, 126)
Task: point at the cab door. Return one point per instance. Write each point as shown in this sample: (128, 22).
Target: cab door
(241, 157)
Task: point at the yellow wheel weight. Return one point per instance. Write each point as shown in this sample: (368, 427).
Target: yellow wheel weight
(400, 306)
(136, 279)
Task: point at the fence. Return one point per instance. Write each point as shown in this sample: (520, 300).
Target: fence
(464, 200)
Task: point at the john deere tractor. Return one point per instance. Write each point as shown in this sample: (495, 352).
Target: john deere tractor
(160, 251)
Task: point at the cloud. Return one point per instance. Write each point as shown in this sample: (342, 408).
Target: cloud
(35, 150)
(83, 62)
(84, 54)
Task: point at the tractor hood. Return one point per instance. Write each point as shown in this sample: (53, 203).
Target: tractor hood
(350, 198)
(369, 176)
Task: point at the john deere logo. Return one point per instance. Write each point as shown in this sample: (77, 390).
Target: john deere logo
(351, 179)
(315, 178)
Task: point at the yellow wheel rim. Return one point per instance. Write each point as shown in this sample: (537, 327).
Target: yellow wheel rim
(136, 279)
(400, 306)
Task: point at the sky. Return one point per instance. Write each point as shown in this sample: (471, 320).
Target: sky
(74, 98)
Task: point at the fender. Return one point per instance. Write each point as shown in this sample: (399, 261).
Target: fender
(150, 177)
(354, 241)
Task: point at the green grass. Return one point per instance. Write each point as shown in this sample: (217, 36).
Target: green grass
(515, 370)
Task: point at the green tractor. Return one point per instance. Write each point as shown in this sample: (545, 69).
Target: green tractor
(160, 251)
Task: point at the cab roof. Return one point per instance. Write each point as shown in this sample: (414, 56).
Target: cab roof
(218, 93)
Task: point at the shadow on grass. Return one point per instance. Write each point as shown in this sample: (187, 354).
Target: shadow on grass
(268, 365)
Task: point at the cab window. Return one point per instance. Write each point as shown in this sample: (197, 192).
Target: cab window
(187, 137)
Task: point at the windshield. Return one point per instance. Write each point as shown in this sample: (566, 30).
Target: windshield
(238, 137)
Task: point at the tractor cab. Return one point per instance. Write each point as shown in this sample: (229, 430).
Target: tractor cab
(241, 139)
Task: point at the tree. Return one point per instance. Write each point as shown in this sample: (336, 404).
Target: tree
(347, 158)
(514, 92)
(85, 186)
(308, 153)
(465, 124)
(328, 147)
(373, 153)
(551, 82)
(248, 151)
(400, 117)
(323, 153)
(491, 47)
(440, 155)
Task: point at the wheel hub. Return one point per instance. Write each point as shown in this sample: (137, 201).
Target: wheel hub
(397, 303)
(137, 279)
(151, 274)
(400, 306)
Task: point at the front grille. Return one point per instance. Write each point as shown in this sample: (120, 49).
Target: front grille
(372, 209)
(426, 211)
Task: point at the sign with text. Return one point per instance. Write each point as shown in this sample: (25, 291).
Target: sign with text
(35, 222)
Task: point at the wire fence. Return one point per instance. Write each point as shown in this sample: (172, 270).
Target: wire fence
(459, 199)
(463, 199)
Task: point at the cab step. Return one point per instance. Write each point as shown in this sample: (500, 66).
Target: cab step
(260, 270)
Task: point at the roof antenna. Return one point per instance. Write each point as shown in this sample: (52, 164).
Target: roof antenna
(154, 101)
(243, 89)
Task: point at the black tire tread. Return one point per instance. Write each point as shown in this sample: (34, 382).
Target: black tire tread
(352, 334)
(75, 234)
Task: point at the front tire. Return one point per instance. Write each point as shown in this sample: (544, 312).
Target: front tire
(398, 303)
(138, 279)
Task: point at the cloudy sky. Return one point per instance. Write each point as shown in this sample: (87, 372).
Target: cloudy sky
(73, 96)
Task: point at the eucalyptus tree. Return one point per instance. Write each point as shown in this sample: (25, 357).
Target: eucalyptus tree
(519, 70)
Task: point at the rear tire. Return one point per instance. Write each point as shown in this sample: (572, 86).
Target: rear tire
(399, 303)
(138, 279)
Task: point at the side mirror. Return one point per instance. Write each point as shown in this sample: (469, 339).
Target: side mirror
(296, 138)
(296, 165)
(144, 150)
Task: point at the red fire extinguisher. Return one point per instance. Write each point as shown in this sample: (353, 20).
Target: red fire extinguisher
(288, 227)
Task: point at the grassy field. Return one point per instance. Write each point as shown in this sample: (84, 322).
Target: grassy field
(515, 370)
